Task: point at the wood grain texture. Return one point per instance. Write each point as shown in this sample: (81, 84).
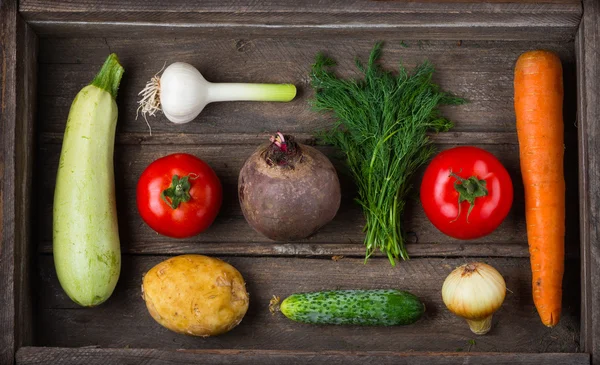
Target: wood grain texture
(263, 11)
(516, 30)
(449, 20)
(311, 249)
(226, 133)
(8, 95)
(123, 320)
(18, 52)
(232, 139)
(91, 356)
(230, 226)
(231, 231)
(279, 47)
(24, 159)
(588, 74)
(261, 6)
(480, 71)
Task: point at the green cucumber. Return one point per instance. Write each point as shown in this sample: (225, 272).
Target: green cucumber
(380, 307)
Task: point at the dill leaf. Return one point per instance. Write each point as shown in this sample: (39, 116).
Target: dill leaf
(381, 125)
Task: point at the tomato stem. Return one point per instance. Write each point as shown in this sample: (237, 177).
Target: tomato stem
(178, 192)
(468, 190)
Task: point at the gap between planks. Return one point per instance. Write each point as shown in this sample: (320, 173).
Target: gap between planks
(316, 250)
(130, 138)
(517, 31)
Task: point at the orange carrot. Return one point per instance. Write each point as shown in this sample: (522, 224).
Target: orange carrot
(538, 107)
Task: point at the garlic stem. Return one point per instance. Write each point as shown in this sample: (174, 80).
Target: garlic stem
(251, 92)
(480, 327)
(181, 93)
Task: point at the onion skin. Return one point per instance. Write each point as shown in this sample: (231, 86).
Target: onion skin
(287, 202)
(467, 287)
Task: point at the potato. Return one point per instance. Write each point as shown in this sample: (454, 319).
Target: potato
(195, 295)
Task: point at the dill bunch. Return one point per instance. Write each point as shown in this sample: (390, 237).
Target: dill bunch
(381, 127)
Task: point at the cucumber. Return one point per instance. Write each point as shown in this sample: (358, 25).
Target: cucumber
(86, 246)
(380, 307)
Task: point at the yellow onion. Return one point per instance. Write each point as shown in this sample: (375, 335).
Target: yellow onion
(474, 292)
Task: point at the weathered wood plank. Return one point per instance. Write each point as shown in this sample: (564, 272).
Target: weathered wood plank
(233, 139)
(512, 28)
(231, 229)
(24, 180)
(299, 12)
(18, 47)
(309, 249)
(516, 326)
(230, 226)
(262, 6)
(588, 74)
(8, 95)
(479, 71)
(450, 20)
(91, 356)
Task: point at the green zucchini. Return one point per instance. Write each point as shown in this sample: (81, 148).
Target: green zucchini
(380, 307)
(87, 254)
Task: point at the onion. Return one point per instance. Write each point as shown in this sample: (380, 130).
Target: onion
(474, 292)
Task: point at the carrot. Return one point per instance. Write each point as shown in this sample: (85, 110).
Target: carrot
(538, 107)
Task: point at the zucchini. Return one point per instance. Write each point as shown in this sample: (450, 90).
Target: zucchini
(87, 254)
(380, 307)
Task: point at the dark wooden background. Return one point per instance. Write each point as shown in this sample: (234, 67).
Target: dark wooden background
(481, 71)
(472, 44)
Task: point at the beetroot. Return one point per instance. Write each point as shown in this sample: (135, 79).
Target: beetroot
(288, 190)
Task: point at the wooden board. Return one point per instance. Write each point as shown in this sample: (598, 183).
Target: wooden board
(478, 70)
(18, 56)
(23, 180)
(542, 20)
(226, 133)
(231, 229)
(123, 320)
(472, 43)
(91, 356)
(588, 74)
(8, 39)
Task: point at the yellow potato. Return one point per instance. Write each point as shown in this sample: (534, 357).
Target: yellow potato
(195, 295)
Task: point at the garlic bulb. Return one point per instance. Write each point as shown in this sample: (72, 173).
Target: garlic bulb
(182, 92)
(474, 292)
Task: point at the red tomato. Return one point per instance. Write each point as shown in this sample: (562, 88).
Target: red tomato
(179, 195)
(466, 192)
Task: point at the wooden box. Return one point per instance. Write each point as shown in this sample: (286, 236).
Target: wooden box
(50, 50)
